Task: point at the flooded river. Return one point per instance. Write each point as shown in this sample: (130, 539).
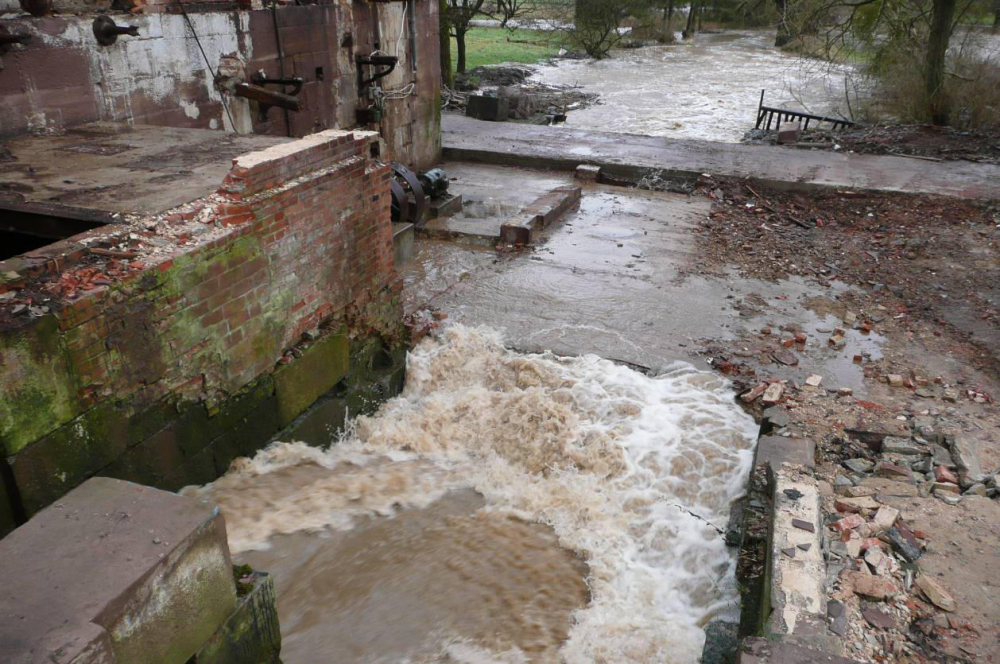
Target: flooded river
(706, 88)
(507, 507)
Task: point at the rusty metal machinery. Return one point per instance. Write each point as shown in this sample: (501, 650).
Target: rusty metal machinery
(106, 30)
(435, 182)
(265, 98)
(408, 198)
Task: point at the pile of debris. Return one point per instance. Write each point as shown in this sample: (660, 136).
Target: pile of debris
(892, 247)
(918, 141)
(537, 103)
(491, 77)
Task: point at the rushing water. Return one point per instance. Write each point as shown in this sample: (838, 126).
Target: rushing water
(705, 88)
(505, 508)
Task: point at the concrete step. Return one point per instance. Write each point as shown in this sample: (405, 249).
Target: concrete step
(402, 243)
(115, 572)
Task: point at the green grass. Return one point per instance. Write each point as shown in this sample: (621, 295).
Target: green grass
(492, 46)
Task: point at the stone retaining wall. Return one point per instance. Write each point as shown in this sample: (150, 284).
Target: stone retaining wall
(268, 294)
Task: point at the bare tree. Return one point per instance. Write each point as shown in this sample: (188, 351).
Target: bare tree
(916, 33)
(459, 16)
(692, 20)
(447, 78)
(512, 10)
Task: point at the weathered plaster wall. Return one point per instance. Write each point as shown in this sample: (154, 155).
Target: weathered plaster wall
(164, 375)
(63, 77)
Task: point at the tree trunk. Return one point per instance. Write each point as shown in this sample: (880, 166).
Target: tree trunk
(691, 22)
(996, 16)
(784, 32)
(670, 13)
(447, 77)
(460, 42)
(701, 12)
(943, 14)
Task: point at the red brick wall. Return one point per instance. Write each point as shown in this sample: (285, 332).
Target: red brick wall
(306, 238)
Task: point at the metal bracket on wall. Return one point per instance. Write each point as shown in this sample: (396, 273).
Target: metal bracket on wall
(389, 61)
(106, 30)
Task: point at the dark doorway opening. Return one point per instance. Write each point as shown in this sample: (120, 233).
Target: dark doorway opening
(25, 228)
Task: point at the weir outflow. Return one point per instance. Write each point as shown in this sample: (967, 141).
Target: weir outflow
(512, 505)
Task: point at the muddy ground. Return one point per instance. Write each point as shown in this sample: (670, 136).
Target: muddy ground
(921, 141)
(922, 275)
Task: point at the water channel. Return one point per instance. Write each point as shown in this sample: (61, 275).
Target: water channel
(507, 507)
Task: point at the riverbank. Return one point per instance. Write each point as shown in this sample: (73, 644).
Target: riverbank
(495, 46)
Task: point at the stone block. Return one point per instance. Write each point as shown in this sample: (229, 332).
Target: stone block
(39, 387)
(300, 383)
(773, 451)
(588, 172)
(252, 634)
(721, 643)
(63, 459)
(446, 206)
(758, 650)
(544, 211)
(115, 572)
(789, 133)
(319, 424)
(494, 109)
(402, 243)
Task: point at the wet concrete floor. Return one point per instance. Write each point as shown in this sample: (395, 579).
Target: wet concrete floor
(512, 143)
(617, 278)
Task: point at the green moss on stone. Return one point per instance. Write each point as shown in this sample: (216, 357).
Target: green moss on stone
(299, 384)
(39, 389)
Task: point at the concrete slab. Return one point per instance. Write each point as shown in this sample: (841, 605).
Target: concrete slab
(776, 450)
(491, 197)
(108, 167)
(757, 650)
(797, 567)
(115, 572)
(402, 243)
(629, 155)
(611, 278)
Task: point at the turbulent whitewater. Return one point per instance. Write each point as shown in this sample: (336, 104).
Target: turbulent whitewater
(609, 461)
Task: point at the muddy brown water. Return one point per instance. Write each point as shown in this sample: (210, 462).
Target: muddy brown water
(507, 507)
(446, 577)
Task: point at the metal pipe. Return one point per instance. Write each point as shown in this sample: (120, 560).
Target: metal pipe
(269, 97)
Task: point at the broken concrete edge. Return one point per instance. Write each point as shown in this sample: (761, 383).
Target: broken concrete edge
(540, 214)
(619, 173)
(784, 618)
(757, 650)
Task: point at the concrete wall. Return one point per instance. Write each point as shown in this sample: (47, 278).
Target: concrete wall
(184, 360)
(63, 77)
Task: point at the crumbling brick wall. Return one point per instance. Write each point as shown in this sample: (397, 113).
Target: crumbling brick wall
(148, 374)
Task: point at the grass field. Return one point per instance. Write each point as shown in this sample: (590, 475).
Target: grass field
(491, 46)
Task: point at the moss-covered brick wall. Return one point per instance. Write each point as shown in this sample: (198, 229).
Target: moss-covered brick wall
(167, 374)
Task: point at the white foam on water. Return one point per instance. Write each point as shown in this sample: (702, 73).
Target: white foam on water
(603, 454)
